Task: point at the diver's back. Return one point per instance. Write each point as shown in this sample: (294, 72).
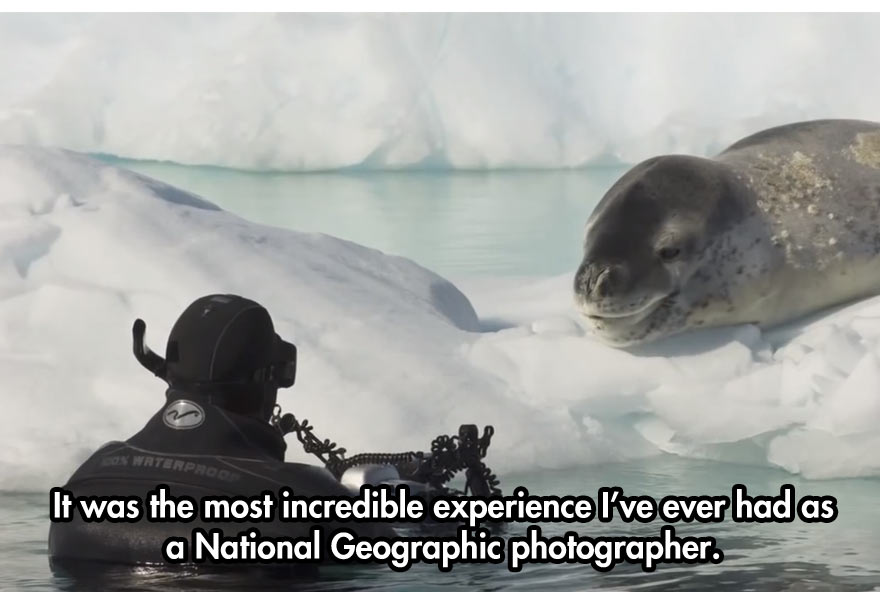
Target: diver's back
(118, 471)
(225, 455)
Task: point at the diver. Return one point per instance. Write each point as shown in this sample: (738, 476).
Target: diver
(223, 366)
(221, 433)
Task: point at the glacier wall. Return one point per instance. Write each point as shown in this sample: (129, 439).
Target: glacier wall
(316, 92)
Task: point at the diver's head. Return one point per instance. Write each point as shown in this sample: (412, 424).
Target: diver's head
(225, 346)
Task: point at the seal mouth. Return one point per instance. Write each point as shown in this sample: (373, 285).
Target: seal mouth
(630, 317)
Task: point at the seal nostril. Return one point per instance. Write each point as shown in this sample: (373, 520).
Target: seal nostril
(612, 280)
(582, 278)
(603, 283)
(599, 281)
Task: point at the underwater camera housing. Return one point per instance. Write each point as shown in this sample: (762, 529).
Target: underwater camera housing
(424, 472)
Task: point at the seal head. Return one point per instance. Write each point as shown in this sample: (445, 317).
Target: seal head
(651, 237)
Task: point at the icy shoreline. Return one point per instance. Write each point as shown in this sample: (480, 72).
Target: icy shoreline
(391, 353)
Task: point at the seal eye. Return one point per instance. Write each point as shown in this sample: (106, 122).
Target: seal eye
(669, 253)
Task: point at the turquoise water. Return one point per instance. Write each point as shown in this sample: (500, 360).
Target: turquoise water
(504, 223)
(466, 223)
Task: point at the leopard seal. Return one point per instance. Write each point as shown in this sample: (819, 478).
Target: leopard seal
(781, 224)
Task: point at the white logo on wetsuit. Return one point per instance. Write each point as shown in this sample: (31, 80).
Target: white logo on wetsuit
(183, 415)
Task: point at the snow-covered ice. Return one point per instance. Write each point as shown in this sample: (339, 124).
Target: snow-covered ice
(305, 92)
(391, 354)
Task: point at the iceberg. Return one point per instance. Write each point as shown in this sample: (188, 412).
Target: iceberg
(298, 92)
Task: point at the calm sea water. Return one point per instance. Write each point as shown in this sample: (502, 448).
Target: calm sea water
(469, 223)
(506, 223)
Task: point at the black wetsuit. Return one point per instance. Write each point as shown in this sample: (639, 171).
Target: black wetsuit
(224, 454)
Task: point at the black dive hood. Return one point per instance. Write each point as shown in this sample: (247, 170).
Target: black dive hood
(281, 373)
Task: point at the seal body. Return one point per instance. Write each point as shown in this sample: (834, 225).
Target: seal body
(781, 224)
